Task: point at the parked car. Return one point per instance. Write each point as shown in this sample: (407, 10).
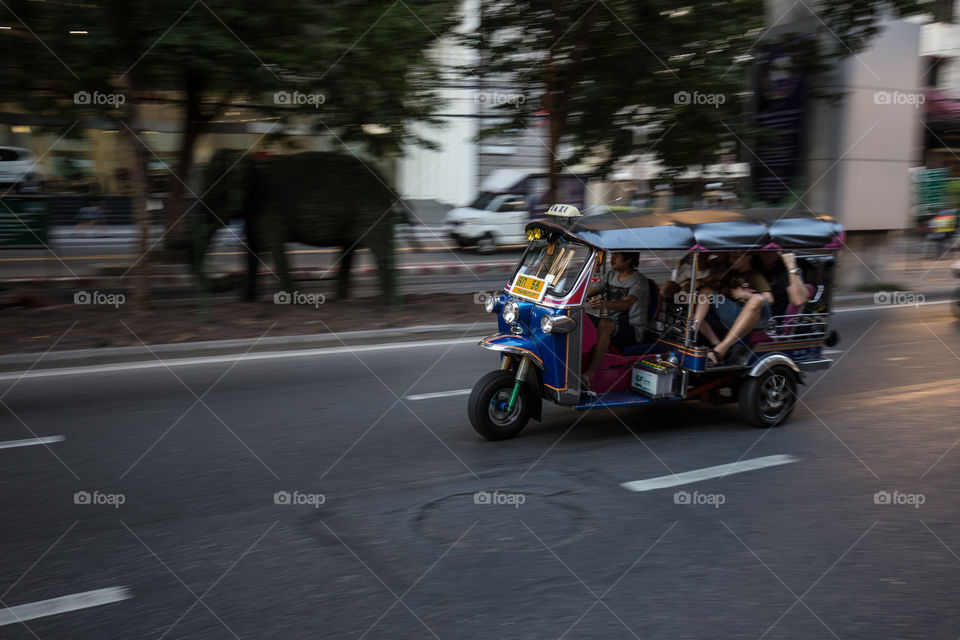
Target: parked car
(508, 200)
(19, 169)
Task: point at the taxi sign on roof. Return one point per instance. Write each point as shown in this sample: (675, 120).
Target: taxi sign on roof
(563, 211)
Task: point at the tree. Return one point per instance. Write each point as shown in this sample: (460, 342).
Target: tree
(357, 64)
(618, 77)
(351, 64)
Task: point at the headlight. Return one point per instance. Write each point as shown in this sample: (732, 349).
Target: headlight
(511, 312)
(557, 324)
(491, 303)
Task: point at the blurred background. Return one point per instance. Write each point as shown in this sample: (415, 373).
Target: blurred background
(477, 115)
(244, 253)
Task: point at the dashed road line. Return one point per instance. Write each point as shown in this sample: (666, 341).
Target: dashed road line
(63, 604)
(439, 394)
(10, 444)
(718, 471)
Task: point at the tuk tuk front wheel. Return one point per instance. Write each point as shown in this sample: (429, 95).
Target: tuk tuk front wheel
(487, 407)
(768, 399)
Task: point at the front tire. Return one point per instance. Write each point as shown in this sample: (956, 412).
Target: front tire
(487, 406)
(768, 399)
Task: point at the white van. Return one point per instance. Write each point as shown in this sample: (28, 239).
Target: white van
(508, 200)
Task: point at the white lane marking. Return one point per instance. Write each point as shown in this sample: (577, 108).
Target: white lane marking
(267, 355)
(874, 307)
(718, 471)
(324, 351)
(439, 394)
(63, 604)
(10, 444)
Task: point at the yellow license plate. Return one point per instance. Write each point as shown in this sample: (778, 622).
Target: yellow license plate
(529, 287)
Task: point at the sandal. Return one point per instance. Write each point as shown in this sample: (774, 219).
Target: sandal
(585, 388)
(718, 358)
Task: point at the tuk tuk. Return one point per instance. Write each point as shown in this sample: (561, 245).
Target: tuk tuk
(544, 340)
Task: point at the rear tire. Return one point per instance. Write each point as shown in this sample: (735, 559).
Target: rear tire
(955, 304)
(486, 407)
(768, 399)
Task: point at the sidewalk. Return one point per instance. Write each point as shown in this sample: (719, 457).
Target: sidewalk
(102, 256)
(212, 348)
(228, 235)
(907, 267)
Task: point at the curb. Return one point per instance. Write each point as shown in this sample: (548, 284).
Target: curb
(240, 345)
(366, 271)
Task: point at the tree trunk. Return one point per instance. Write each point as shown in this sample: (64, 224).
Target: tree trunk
(553, 115)
(125, 22)
(178, 237)
(553, 161)
(140, 288)
(561, 88)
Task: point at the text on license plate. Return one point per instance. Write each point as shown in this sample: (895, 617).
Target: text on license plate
(529, 287)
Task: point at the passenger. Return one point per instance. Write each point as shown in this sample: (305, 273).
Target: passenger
(622, 300)
(785, 278)
(679, 282)
(743, 304)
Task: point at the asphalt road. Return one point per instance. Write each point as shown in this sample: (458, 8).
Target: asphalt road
(389, 541)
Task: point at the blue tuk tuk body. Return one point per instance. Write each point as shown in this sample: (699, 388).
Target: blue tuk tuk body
(544, 338)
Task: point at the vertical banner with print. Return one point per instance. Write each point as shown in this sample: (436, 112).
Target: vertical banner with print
(780, 99)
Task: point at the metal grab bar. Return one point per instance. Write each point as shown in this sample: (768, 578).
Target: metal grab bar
(800, 325)
(817, 295)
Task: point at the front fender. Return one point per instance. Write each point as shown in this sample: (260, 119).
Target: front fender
(514, 345)
(525, 348)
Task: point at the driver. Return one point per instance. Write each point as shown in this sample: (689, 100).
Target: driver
(622, 299)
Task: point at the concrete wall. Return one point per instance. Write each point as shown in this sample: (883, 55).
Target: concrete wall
(860, 149)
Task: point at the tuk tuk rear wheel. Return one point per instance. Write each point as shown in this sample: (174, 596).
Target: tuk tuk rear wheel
(487, 406)
(768, 399)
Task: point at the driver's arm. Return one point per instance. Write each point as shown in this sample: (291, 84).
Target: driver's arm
(617, 305)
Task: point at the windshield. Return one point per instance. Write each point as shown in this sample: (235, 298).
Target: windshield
(483, 200)
(558, 262)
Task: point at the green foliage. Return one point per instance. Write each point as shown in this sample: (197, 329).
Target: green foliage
(368, 60)
(609, 72)
(953, 193)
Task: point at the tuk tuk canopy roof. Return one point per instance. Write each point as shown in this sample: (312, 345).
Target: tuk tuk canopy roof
(706, 230)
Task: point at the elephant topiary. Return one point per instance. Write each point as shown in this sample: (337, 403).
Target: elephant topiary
(316, 198)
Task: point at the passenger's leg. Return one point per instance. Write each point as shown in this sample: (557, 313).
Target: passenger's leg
(744, 323)
(605, 329)
(700, 315)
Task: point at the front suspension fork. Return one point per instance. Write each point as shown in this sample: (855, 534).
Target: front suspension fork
(519, 381)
